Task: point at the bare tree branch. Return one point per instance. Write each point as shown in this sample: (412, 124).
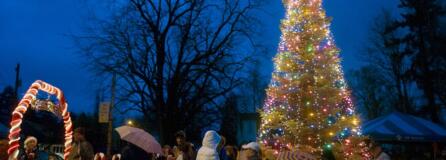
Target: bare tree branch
(176, 60)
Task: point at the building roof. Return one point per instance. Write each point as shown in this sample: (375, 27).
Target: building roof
(402, 127)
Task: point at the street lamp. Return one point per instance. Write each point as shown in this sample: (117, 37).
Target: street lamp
(130, 122)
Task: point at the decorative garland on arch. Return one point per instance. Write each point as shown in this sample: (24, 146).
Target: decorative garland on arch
(22, 107)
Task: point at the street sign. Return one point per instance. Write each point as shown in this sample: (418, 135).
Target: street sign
(104, 110)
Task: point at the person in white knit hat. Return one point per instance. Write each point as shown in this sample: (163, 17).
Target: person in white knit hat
(252, 145)
(209, 149)
(30, 149)
(250, 151)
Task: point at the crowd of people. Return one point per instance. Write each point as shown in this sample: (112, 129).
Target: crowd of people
(213, 147)
(81, 150)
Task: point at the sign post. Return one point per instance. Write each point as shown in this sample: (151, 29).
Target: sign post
(104, 111)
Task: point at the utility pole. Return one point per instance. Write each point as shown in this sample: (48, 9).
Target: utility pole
(110, 117)
(17, 80)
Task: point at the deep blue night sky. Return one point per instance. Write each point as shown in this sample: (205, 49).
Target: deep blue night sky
(34, 33)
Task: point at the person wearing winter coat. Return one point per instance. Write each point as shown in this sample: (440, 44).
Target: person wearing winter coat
(208, 151)
(183, 154)
(82, 149)
(183, 150)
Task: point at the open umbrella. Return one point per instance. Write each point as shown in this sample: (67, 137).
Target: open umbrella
(295, 155)
(140, 138)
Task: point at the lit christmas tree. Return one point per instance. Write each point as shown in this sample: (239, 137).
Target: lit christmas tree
(308, 105)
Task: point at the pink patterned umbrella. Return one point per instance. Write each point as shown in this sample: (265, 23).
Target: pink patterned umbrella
(140, 138)
(295, 155)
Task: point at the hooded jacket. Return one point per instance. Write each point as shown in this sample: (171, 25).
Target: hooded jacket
(209, 149)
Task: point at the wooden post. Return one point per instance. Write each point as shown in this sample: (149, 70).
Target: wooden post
(17, 80)
(110, 119)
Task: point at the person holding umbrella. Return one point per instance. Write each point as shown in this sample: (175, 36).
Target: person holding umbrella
(132, 152)
(140, 143)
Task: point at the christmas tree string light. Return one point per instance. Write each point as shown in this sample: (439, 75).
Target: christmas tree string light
(308, 105)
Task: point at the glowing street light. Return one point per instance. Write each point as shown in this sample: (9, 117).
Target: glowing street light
(130, 122)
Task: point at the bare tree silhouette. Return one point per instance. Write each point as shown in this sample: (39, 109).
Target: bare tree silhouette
(176, 60)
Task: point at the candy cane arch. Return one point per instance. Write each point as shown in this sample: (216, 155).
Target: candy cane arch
(24, 104)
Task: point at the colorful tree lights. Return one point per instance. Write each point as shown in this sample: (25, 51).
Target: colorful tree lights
(308, 106)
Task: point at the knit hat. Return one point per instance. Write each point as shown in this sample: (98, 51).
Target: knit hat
(252, 145)
(29, 139)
